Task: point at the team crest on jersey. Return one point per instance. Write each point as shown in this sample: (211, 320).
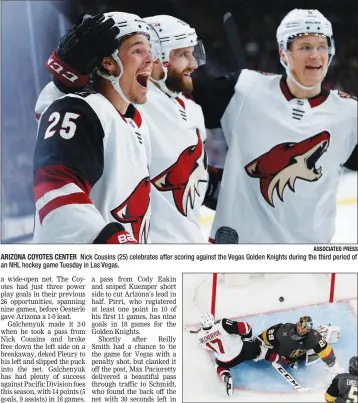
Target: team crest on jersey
(287, 162)
(297, 353)
(184, 176)
(135, 210)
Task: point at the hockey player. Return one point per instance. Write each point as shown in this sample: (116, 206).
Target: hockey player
(344, 387)
(292, 341)
(232, 344)
(177, 132)
(287, 140)
(91, 177)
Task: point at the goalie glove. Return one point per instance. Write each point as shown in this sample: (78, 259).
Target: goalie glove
(114, 233)
(80, 50)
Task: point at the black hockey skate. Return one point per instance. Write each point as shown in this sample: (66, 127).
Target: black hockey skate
(229, 385)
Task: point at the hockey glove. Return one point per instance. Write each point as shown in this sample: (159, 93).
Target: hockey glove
(80, 50)
(114, 233)
(274, 357)
(212, 192)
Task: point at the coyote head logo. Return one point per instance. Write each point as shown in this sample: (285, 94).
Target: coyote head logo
(286, 162)
(183, 177)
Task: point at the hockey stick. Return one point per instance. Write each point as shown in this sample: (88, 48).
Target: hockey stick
(186, 329)
(289, 378)
(233, 37)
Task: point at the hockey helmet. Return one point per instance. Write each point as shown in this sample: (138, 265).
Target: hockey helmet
(173, 34)
(304, 325)
(207, 320)
(300, 22)
(129, 24)
(353, 365)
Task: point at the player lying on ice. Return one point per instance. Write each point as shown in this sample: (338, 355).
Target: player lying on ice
(232, 343)
(344, 387)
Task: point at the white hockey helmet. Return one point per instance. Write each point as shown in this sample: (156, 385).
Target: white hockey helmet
(299, 22)
(173, 34)
(207, 320)
(129, 24)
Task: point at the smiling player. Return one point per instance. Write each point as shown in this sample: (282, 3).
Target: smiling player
(287, 138)
(91, 177)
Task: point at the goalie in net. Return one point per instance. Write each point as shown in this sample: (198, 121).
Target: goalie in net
(297, 342)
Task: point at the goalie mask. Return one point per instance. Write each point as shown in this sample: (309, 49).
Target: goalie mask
(304, 325)
(129, 24)
(298, 23)
(173, 34)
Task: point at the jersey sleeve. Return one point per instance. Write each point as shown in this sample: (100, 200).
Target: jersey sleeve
(68, 161)
(230, 119)
(239, 328)
(322, 349)
(48, 95)
(333, 391)
(352, 141)
(352, 162)
(213, 94)
(269, 336)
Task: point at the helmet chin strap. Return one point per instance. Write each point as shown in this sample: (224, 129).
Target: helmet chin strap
(162, 85)
(115, 79)
(290, 75)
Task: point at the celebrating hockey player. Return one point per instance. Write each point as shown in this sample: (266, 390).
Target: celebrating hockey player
(231, 342)
(290, 342)
(177, 130)
(287, 138)
(91, 177)
(177, 133)
(344, 387)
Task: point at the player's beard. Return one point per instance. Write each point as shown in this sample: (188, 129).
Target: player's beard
(175, 81)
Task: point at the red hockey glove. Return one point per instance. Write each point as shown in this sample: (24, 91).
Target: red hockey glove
(114, 233)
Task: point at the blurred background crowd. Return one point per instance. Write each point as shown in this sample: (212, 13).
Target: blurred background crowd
(31, 30)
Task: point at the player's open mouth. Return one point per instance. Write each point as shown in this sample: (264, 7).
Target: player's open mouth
(142, 79)
(313, 67)
(312, 159)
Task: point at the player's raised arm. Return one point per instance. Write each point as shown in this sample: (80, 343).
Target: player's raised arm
(81, 49)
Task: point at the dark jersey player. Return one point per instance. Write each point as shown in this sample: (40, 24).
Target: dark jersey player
(291, 342)
(344, 387)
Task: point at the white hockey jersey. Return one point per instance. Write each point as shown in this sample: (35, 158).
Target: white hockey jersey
(284, 161)
(90, 169)
(177, 166)
(224, 338)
